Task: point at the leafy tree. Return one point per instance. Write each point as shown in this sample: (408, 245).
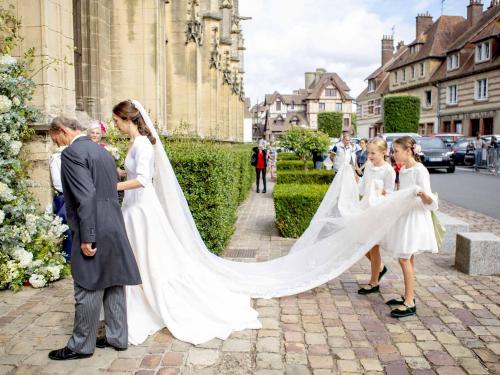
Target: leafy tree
(303, 141)
(331, 123)
(354, 122)
(401, 113)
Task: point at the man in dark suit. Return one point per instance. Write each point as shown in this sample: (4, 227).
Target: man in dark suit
(102, 261)
(259, 161)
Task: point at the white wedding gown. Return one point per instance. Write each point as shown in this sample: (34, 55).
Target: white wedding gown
(198, 295)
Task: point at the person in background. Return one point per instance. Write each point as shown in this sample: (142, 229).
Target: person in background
(259, 161)
(478, 144)
(344, 153)
(272, 156)
(361, 157)
(317, 158)
(329, 161)
(95, 132)
(58, 205)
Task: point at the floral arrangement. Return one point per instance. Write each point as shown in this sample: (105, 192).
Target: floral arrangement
(30, 241)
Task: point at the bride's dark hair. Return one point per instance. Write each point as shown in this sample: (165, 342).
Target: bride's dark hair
(126, 110)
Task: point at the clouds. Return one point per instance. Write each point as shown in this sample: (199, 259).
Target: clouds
(286, 38)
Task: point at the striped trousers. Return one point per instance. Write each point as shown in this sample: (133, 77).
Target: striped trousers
(87, 310)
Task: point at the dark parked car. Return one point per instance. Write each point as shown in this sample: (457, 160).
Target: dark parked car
(435, 154)
(463, 152)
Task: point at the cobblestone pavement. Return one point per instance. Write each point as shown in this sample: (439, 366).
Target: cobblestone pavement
(328, 330)
(477, 222)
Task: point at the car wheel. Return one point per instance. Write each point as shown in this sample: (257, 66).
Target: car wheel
(451, 169)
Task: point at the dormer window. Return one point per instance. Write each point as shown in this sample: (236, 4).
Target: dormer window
(483, 52)
(371, 85)
(453, 61)
(414, 49)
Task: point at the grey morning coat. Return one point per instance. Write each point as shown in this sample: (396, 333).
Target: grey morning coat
(89, 177)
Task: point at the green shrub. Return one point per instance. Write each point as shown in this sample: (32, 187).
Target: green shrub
(401, 114)
(331, 123)
(287, 156)
(314, 176)
(292, 164)
(215, 178)
(295, 205)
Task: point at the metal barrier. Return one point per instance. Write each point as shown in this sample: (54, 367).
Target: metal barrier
(493, 160)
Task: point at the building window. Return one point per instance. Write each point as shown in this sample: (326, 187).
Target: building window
(370, 107)
(292, 106)
(322, 107)
(451, 95)
(338, 107)
(413, 72)
(377, 107)
(481, 89)
(361, 107)
(330, 92)
(346, 123)
(371, 85)
(396, 76)
(414, 49)
(483, 52)
(428, 98)
(422, 69)
(453, 61)
(278, 106)
(403, 74)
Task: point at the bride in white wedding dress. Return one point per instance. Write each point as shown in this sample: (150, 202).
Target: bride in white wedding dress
(198, 295)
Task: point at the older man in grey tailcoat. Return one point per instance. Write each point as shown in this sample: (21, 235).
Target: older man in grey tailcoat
(102, 261)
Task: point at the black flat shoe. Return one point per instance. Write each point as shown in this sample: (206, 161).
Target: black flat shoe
(65, 354)
(102, 342)
(258, 191)
(382, 273)
(396, 301)
(371, 289)
(407, 311)
(263, 191)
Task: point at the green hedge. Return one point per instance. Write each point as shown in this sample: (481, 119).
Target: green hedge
(401, 114)
(287, 156)
(215, 178)
(295, 205)
(314, 176)
(292, 165)
(331, 123)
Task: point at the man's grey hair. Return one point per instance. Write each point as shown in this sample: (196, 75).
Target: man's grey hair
(65, 122)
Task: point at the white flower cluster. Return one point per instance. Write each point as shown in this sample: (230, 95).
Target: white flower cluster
(24, 257)
(5, 104)
(6, 60)
(15, 147)
(6, 193)
(37, 281)
(31, 223)
(54, 272)
(113, 151)
(2, 216)
(12, 270)
(5, 137)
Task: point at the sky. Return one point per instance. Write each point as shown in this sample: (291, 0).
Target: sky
(286, 38)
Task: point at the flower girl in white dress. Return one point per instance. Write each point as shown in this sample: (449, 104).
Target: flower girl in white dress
(414, 232)
(378, 181)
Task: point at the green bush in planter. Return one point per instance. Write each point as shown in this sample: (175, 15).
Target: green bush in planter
(287, 156)
(292, 165)
(305, 177)
(295, 205)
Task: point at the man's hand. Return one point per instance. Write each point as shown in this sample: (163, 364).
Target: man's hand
(87, 249)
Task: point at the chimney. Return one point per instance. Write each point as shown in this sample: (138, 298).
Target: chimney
(494, 3)
(424, 22)
(387, 48)
(400, 45)
(474, 11)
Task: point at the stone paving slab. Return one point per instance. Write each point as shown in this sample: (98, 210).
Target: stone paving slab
(328, 330)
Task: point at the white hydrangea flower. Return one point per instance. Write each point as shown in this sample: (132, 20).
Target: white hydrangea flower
(36, 263)
(2, 216)
(24, 257)
(5, 104)
(6, 193)
(5, 137)
(37, 281)
(6, 60)
(31, 223)
(54, 272)
(16, 101)
(15, 147)
(12, 267)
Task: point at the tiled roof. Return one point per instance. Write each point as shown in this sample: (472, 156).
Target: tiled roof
(287, 99)
(484, 27)
(434, 42)
(325, 79)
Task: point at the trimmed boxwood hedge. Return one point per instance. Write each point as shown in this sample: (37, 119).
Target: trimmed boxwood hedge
(292, 165)
(215, 178)
(401, 113)
(331, 123)
(287, 156)
(314, 176)
(295, 205)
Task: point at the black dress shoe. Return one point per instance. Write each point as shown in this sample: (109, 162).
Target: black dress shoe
(382, 273)
(264, 191)
(102, 342)
(258, 191)
(66, 353)
(371, 289)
